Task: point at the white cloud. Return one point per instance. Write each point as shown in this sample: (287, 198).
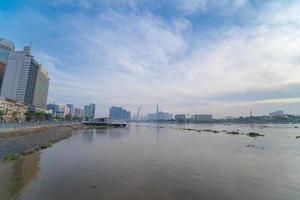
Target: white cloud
(135, 59)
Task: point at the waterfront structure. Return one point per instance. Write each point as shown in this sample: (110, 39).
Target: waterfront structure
(202, 117)
(118, 113)
(78, 113)
(11, 110)
(24, 79)
(89, 111)
(180, 117)
(71, 109)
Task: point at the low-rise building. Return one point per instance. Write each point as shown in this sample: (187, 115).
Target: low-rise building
(12, 111)
(180, 117)
(202, 117)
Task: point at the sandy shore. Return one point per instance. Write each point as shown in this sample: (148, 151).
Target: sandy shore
(18, 141)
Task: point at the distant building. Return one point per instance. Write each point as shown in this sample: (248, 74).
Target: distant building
(22, 78)
(161, 116)
(11, 110)
(202, 117)
(78, 113)
(180, 117)
(71, 109)
(89, 111)
(64, 109)
(118, 113)
(52, 108)
(276, 113)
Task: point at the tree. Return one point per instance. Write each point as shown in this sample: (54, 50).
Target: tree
(15, 116)
(68, 117)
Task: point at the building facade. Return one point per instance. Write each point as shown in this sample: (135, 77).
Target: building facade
(5, 47)
(41, 89)
(22, 78)
(89, 111)
(11, 110)
(71, 109)
(118, 113)
(78, 113)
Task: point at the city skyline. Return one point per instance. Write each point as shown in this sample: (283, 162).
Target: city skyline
(195, 56)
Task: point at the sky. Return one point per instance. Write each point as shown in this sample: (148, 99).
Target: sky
(223, 57)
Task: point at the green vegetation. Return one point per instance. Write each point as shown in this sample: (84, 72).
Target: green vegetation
(297, 137)
(232, 133)
(11, 157)
(253, 134)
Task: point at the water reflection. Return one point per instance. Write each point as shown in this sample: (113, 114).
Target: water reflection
(15, 176)
(161, 161)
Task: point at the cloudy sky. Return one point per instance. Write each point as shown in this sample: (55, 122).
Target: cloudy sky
(190, 56)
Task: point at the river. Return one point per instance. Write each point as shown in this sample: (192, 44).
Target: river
(148, 161)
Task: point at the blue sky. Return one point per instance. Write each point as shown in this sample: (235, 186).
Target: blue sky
(191, 56)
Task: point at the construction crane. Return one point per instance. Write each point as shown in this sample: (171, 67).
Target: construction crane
(138, 113)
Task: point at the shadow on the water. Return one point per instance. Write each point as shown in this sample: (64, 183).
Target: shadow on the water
(16, 175)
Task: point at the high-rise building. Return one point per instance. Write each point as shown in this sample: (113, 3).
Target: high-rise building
(118, 113)
(71, 109)
(78, 113)
(24, 79)
(89, 111)
(5, 47)
(159, 115)
(64, 109)
(41, 89)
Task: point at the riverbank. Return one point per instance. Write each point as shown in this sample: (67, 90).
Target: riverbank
(15, 142)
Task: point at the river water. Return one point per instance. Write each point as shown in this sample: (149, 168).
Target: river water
(164, 161)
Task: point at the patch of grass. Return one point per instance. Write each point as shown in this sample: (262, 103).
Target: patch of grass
(232, 133)
(253, 134)
(11, 157)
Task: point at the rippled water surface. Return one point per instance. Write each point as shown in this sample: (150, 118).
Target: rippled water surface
(165, 161)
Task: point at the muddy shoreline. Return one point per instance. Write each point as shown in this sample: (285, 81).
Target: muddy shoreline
(18, 142)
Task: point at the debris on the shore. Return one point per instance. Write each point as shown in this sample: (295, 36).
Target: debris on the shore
(232, 133)
(254, 134)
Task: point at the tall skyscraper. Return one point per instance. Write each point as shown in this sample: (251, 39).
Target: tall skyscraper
(24, 80)
(5, 47)
(41, 89)
(89, 111)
